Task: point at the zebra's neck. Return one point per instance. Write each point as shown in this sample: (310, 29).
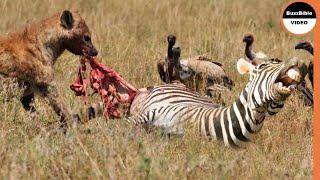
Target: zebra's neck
(237, 123)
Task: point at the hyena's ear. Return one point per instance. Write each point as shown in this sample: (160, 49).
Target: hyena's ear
(244, 66)
(66, 19)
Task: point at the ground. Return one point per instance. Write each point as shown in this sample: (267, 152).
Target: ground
(130, 37)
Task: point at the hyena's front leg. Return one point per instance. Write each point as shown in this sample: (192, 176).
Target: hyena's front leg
(27, 102)
(27, 98)
(50, 91)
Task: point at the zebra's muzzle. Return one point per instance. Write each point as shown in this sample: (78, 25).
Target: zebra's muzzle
(290, 77)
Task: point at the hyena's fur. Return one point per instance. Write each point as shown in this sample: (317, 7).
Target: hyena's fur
(29, 56)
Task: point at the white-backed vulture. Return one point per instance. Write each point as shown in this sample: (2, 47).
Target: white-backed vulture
(200, 73)
(249, 39)
(165, 66)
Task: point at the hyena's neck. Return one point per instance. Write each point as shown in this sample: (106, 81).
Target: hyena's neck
(53, 50)
(49, 40)
(52, 45)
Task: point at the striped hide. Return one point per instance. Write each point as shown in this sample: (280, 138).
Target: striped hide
(174, 107)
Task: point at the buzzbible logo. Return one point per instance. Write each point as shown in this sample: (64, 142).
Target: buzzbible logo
(299, 18)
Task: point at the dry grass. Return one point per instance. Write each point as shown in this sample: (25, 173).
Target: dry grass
(130, 35)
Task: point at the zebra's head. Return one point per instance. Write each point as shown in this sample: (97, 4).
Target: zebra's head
(271, 82)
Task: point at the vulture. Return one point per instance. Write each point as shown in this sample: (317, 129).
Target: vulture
(165, 66)
(200, 72)
(254, 57)
(308, 47)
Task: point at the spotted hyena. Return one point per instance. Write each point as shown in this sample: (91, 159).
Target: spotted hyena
(29, 56)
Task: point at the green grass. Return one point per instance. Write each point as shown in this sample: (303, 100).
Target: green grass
(130, 36)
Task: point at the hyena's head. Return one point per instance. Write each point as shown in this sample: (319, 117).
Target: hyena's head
(77, 37)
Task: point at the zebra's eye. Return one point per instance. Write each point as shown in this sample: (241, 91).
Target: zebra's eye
(262, 66)
(276, 60)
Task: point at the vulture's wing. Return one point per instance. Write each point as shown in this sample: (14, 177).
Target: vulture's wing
(217, 63)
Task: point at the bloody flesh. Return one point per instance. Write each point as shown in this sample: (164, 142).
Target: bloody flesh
(112, 88)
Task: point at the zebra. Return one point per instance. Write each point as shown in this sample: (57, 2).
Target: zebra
(173, 106)
(306, 93)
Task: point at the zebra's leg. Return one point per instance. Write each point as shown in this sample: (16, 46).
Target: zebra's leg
(140, 120)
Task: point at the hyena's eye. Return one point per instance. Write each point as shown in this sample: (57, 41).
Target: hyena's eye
(86, 38)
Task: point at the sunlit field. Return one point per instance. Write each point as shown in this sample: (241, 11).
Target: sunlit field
(130, 36)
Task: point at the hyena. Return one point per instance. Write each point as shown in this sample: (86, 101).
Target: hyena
(29, 56)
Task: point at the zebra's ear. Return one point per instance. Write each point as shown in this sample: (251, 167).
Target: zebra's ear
(244, 66)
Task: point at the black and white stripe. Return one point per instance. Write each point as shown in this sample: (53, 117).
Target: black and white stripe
(173, 106)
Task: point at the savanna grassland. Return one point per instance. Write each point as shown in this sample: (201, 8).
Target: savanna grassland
(130, 36)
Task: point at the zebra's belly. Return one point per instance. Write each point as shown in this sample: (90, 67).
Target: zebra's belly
(168, 106)
(172, 118)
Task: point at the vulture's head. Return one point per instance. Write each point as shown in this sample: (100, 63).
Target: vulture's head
(304, 45)
(248, 38)
(171, 40)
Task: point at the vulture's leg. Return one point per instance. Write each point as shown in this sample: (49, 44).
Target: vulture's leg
(306, 94)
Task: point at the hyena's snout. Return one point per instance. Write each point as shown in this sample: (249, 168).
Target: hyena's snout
(81, 46)
(92, 51)
(89, 48)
